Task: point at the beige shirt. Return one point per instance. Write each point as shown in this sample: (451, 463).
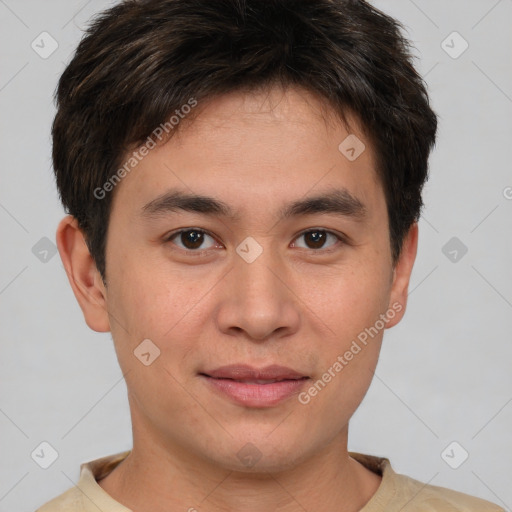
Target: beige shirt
(396, 492)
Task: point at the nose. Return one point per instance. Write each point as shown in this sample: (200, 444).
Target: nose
(259, 301)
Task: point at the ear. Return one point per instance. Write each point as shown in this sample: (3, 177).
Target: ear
(402, 274)
(83, 275)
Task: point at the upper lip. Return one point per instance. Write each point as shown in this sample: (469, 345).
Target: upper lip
(246, 372)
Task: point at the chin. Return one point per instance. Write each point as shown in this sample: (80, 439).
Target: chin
(262, 453)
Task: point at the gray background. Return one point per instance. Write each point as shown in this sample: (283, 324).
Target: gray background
(444, 373)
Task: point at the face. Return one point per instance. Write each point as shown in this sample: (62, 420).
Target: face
(260, 272)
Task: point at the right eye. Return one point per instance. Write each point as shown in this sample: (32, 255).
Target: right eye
(190, 239)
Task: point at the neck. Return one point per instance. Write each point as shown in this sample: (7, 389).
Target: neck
(157, 479)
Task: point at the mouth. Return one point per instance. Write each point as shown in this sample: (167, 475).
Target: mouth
(252, 387)
(243, 372)
(253, 381)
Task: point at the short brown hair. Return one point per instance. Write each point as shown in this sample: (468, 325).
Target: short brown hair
(140, 61)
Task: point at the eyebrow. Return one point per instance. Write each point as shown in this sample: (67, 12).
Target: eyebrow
(335, 201)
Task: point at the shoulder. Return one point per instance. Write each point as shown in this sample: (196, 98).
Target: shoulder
(87, 495)
(69, 501)
(406, 494)
(421, 497)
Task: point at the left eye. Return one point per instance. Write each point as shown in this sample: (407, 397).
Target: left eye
(317, 238)
(192, 239)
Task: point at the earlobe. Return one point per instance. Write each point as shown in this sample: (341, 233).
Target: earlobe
(402, 274)
(83, 276)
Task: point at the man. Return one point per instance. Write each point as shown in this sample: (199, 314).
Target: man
(243, 181)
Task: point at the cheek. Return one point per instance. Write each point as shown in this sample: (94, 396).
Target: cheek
(348, 299)
(149, 298)
(349, 349)
(350, 308)
(172, 309)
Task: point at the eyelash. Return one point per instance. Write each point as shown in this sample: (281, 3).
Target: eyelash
(200, 253)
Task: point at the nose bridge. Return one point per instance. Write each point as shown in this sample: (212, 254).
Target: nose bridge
(255, 270)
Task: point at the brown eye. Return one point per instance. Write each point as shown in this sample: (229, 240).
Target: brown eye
(316, 238)
(190, 239)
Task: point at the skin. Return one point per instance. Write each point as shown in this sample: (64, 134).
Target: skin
(295, 305)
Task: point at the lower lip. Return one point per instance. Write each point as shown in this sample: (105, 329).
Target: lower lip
(257, 395)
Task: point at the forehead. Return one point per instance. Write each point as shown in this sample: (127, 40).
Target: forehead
(268, 107)
(275, 144)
